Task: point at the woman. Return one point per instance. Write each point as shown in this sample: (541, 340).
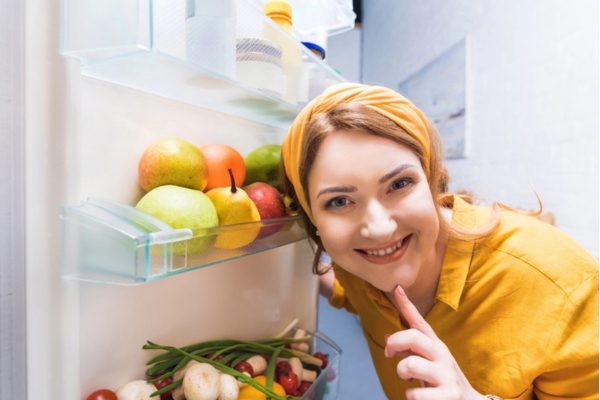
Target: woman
(456, 301)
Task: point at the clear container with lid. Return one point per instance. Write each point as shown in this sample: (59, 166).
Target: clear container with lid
(312, 75)
(258, 65)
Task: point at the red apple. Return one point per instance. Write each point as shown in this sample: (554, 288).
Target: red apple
(269, 203)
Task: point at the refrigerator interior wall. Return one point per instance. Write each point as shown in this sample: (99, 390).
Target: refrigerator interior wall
(248, 298)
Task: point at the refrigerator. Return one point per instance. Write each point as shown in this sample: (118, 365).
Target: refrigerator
(104, 79)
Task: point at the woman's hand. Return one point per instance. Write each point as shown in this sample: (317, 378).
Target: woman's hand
(426, 358)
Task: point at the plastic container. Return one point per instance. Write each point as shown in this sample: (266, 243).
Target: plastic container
(210, 35)
(258, 65)
(312, 76)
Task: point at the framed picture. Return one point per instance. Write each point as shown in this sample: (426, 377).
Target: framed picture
(439, 89)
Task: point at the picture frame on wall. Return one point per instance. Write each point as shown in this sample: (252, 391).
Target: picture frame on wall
(439, 89)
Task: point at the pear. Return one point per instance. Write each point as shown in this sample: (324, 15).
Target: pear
(182, 208)
(173, 161)
(234, 207)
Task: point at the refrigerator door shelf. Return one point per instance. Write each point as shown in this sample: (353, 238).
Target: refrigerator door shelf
(108, 242)
(189, 51)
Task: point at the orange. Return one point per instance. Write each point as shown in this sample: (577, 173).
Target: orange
(219, 158)
(250, 393)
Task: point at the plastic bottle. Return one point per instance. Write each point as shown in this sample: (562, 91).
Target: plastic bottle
(280, 12)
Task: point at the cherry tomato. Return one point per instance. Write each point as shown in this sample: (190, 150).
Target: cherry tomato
(211, 355)
(103, 394)
(244, 366)
(289, 381)
(323, 358)
(304, 386)
(280, 367)
(161, 384)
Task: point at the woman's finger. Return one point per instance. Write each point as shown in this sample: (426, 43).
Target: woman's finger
(425, 393)
(410, 342)
(411, 314)
(415, 367)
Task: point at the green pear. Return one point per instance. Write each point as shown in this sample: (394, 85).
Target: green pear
(262, 165)
(172, 161)
(182, 208)
(234, 207)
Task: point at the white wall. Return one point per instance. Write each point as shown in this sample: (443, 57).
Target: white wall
(533, 106)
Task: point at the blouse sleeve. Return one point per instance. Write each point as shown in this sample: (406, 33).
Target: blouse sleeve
(573, 352)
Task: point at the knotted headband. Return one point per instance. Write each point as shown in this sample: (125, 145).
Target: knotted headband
(385, 101)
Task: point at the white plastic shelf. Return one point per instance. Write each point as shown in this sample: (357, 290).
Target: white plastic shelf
(180, 50)
(108, 242)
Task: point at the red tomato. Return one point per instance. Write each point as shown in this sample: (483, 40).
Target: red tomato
(161, 384)
(211, 355)
(323, 358)
(103, 394)
(244, 366)
(289, 382)
(304, 386)
(280, 367)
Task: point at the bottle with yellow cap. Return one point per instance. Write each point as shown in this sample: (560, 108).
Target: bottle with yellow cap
(280, 12)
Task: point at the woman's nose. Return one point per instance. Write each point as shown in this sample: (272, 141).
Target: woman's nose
(377, 222)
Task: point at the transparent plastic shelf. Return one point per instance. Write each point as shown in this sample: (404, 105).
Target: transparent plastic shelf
(224, 55)
(326, 386)
(108, 242)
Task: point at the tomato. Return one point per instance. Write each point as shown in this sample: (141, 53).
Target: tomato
(304, 386)
(289, 381)
(323, 358)
(103, 394)
(161, 384)
(281, 367)
(244, 366)
(249, 393)
(211, 355)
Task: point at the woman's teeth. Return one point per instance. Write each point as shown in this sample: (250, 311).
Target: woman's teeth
(385, 252)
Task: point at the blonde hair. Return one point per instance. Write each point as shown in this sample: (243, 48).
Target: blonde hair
(356, 116)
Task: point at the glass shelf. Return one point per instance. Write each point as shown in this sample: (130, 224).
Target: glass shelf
(190, 51)
(105, 241)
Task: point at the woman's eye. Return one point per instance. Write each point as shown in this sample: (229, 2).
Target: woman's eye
(336, 202)
(401, 183)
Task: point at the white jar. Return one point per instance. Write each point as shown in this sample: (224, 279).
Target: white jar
(258, 65)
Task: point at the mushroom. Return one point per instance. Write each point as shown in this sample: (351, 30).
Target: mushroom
(300, 346)
(177, 393)
(201, 382)
(229, 387)
(137, 390)
(303, 374)
(259, 364)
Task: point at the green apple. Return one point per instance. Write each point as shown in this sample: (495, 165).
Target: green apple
(182, 208)
(262, 165)
(172, 161)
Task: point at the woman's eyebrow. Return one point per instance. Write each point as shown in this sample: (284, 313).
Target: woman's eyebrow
(394, 172)
(337, 189)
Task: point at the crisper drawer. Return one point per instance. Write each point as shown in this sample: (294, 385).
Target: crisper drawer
(109, 242)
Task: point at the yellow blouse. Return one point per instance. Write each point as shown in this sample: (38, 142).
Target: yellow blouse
(519, 311)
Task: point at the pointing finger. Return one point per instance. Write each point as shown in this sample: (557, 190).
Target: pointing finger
(411, 314)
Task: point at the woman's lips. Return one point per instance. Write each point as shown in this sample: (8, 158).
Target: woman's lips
(390, 254)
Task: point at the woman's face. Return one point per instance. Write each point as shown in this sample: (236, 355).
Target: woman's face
(371, 203)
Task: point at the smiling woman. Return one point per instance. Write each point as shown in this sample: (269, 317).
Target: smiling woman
(473, 300)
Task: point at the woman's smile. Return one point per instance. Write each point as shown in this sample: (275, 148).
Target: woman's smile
(385, 254)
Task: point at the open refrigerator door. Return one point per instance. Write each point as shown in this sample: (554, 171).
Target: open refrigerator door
(137, 71)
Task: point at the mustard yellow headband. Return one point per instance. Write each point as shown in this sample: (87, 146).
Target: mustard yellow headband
(386, 102)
